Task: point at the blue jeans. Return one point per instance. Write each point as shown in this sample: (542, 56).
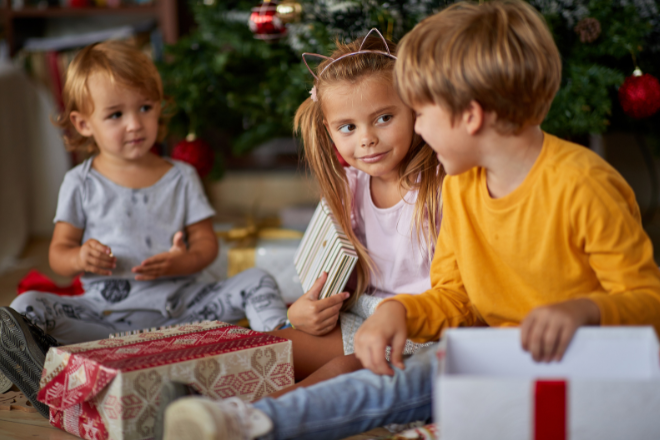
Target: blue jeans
(355, 402)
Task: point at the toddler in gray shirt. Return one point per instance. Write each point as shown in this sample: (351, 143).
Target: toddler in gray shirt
(137, 224)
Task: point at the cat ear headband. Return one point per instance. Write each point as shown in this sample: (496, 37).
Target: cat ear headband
(386, 53)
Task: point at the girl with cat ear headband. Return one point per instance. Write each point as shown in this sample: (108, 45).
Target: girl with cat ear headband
(354, 106)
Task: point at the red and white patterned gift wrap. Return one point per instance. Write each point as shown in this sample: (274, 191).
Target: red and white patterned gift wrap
(108, 389)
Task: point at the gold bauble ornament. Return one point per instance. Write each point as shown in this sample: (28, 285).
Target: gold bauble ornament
(289, 11)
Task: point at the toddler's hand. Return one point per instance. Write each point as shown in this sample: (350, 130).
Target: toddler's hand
(386, 327)
(546, 331)
(163, 264)
(96, 258)
(313, 315)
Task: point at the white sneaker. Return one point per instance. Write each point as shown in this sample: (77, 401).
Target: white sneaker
(200, 418)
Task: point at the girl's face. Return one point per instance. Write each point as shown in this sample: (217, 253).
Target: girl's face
(124, 123)
(370, 126)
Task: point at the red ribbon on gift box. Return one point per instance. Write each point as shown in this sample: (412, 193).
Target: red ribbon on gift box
(550, 410)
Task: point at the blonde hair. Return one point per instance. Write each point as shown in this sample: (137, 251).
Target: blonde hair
(499, 54)
(419, 170)
(124, 64)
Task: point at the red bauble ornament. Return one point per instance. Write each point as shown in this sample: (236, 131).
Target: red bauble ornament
(196, 152)
(640, 95)
(265, 23)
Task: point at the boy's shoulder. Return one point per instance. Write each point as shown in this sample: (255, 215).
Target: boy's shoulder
(573, 160)
(561, 162)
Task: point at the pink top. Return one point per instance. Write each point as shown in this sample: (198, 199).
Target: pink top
(388, 234)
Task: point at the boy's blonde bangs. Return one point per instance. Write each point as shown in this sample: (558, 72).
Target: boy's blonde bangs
(500, 54)
(123, 64)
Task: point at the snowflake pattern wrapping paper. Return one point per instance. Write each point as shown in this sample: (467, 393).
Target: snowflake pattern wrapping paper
(108, 389)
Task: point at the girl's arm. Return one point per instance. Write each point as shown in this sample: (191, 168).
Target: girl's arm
(181, 259)
(68, 257)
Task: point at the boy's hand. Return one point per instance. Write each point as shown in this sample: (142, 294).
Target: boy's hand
(313, 315)
(163, 264)
(546, 331)
(96, 258)
(386, 327)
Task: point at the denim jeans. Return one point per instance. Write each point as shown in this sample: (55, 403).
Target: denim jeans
(355, 402)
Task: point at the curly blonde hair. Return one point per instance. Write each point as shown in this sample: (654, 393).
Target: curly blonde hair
(124, 64)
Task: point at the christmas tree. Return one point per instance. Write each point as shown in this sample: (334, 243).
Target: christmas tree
(222, 77)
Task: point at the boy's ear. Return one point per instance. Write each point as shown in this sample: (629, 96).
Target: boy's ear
(81, 123)
(474, 118)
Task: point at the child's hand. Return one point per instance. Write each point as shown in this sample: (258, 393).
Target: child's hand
(96, 258)
(386, 327)
(546, 331)
(313, 315)
(163, 264)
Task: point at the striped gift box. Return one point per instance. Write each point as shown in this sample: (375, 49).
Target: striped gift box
(325, 248)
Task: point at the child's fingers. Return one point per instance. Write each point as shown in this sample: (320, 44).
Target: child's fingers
(536, 339)
(155, 260)
(100, 262)
(550, 342)
(525, 330)
(381, 366)
(178, 243)
(153, 269)
(178, 240)
(565, 337)
(372, 356)
(98, 246)
(332, 303)
(99, 254)
(398, 344)
(328, 314)
(329, 321)
(316, 288)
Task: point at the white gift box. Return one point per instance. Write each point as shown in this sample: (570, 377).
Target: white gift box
(273, 256)
(607, 386)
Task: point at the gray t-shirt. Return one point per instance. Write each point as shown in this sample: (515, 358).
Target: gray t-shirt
(135, 223)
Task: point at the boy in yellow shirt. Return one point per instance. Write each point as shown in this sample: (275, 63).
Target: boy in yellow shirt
(536, 232)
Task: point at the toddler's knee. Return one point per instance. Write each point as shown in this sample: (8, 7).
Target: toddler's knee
(256, 276)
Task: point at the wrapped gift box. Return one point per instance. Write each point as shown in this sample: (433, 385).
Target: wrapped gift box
(108, 389)
(606, 387)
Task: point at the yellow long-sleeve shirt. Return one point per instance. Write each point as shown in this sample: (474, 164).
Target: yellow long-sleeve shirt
(571, 229)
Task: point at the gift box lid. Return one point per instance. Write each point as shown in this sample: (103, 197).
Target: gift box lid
(76, 373)
(606, 387)
(594, 353)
